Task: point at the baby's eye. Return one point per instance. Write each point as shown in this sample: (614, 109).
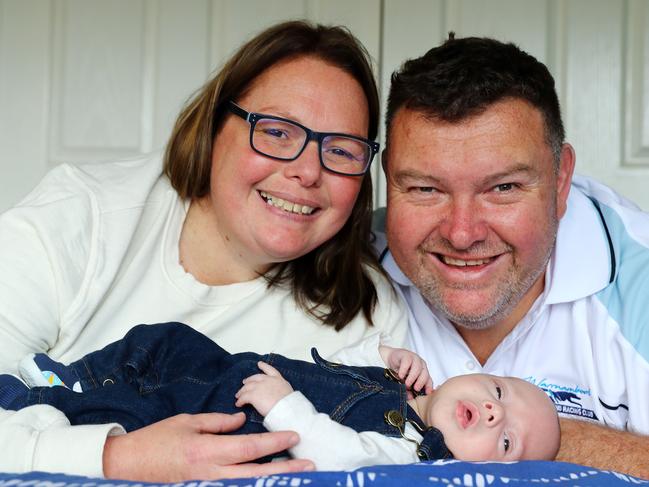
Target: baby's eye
(499, 392)
(506, 443)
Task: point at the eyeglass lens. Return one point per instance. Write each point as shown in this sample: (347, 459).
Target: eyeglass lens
(281, 139)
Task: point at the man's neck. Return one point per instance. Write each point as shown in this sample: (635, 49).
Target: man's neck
(483, 342)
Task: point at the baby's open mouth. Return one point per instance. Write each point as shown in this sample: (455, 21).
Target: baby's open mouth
(286, 205)
(467, 414)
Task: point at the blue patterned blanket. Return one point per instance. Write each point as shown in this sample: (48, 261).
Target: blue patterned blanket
(445, 473)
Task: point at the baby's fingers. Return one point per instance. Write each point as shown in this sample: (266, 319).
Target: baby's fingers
(404, 367)
(268, 369)
(253, 378)
(424, 381)
(413, 373)
(242, 396)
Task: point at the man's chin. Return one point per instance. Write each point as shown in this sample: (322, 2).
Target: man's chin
(472, 316)
(474, 322)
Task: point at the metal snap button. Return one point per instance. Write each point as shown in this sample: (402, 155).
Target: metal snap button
(108, 382)
(391, 375)
(394, 418)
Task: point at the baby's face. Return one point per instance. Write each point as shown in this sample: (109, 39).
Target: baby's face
(484, 417)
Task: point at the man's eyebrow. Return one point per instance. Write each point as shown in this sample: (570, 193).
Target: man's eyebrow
(414, 175)
(517, 169)
(410, 175)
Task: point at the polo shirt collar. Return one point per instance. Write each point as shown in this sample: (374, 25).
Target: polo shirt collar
(581, 263)
(394, 270)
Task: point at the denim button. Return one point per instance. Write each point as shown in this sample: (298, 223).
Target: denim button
(394, 418)
(108, 382)
(391, 375)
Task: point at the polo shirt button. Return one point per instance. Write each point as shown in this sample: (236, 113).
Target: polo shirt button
(470, 365)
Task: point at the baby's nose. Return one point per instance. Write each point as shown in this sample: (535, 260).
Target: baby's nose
(493, 413)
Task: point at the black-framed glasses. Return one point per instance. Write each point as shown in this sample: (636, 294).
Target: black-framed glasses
(284, 139)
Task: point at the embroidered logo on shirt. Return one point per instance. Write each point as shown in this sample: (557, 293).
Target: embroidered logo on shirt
(567, 399)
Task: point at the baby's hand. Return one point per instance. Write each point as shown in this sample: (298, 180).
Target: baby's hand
(263, 391)
(409, 366)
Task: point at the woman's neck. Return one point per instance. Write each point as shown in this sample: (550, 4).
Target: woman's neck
(208, 255)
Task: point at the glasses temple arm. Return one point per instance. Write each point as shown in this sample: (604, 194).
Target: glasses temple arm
(238, 111)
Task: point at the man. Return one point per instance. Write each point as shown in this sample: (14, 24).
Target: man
(508, 264)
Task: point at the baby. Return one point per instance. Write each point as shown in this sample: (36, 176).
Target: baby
(346, 416)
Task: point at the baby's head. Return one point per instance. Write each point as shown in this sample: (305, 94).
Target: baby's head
(485, 417)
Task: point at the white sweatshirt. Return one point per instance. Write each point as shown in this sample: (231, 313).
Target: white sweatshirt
(92, 252)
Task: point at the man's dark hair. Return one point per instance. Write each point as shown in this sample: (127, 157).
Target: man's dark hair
(463, 77)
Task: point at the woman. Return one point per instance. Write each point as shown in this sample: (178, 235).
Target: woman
(256, 234)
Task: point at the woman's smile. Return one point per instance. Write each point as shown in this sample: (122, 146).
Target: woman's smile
(289, 205)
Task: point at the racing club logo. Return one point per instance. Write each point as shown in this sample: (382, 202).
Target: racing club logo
(567, 399)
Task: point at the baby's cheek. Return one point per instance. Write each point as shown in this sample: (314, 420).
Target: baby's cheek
(471, 447)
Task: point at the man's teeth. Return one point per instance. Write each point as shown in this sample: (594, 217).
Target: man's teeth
(463, 263)
(286, 205)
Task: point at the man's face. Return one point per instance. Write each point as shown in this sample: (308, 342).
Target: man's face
(473, 209)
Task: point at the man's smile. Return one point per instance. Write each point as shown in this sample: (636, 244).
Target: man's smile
(463, 262)
(461, 267)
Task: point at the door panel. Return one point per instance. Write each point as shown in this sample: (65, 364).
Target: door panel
(88, 80)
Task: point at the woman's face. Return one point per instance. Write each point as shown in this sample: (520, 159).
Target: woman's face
(268, 211)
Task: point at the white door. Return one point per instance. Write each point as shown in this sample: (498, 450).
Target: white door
(88, 80)
(597, 50)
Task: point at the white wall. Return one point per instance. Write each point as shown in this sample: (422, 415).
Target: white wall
(92, 80)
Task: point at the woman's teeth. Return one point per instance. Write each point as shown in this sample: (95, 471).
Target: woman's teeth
(286, 205)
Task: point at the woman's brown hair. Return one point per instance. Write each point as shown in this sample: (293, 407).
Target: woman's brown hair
(331, 282)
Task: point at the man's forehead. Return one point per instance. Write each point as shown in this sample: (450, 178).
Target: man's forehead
(501, 140)
(510, 112)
